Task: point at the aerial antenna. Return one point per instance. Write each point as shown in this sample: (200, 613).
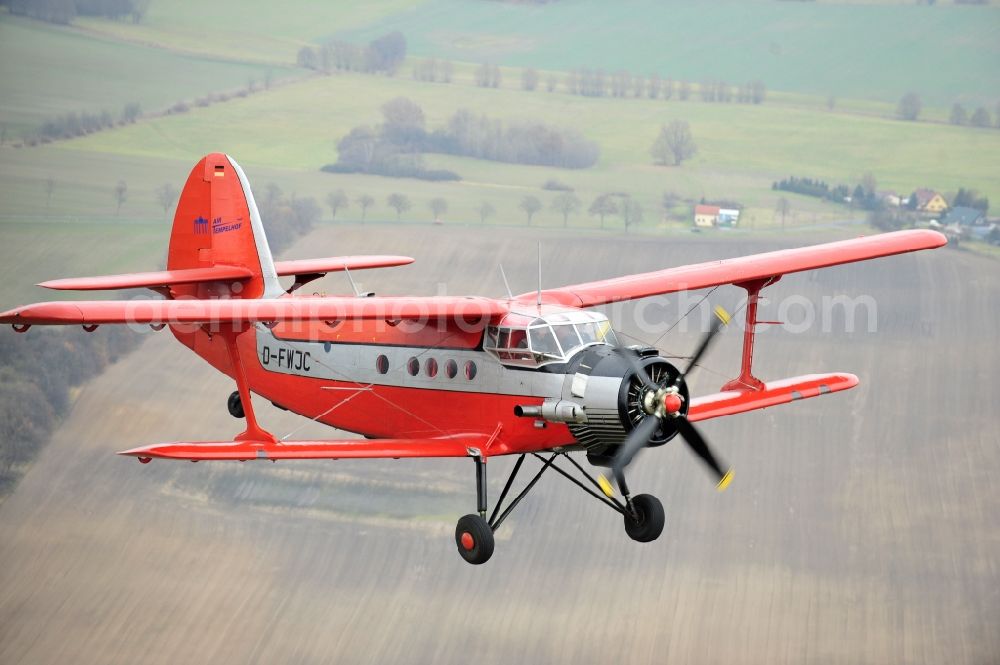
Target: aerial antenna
(539, 298)
(510, 294)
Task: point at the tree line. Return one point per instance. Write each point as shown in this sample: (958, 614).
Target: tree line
(73, 124)
(382, 55)
(396, 147)
(64, 11)
(564, 203)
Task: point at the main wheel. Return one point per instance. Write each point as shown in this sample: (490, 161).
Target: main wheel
(235, 405)
(474, 539)
(650, 518)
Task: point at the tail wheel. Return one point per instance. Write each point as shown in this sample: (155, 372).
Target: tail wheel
(474, 539)
(647, 525)
(235, 405)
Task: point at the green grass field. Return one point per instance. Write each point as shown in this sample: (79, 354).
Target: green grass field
(47, 71)
(946, 53)
(288, 134)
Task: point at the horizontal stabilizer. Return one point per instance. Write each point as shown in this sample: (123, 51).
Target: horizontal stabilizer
(222, 273)
(338, 264)
(452, 446)
(731, 402)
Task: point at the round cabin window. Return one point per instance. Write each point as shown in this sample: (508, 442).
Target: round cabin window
(451, 369)
(470, 370)
(431, 367)
(413, 366)
(382, 364)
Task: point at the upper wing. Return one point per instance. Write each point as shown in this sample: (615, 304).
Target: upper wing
(223, 273)
(739, 270)
(338, 308)
(463, 445)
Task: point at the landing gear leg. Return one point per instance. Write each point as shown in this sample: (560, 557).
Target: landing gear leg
(473, 534)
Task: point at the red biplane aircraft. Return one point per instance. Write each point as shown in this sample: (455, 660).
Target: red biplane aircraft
(537, 374)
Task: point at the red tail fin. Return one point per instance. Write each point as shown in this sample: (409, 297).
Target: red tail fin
(217, 224)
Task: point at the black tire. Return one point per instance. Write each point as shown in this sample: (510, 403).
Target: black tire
(235, 405)
(649, 521)
(474, 539)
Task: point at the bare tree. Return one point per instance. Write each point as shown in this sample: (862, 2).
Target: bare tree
(909, 106)
(783, 207)
(364, 202)
(551, 82)
(566, 204)
(486, 209)
(529, 79)
(398, 202)
(603, 206)
(684, 91)
(631, 212)
(958, 116)
(655, 83)
(439, 207)
(50, 187)
(166, 195)
(447, 71)
(674, 144)
(980, 118)
(530, 205)
(121, 195)
(869, 184)
(337, 201)
(403, 112)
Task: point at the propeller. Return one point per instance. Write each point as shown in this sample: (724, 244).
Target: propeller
(662, 402)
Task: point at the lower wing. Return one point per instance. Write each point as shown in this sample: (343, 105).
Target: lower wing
(462, 445)
(784, 391)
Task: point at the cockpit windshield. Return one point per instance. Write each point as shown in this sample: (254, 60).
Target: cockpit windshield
(548, 339)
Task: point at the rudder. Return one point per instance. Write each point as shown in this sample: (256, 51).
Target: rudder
(217, 223)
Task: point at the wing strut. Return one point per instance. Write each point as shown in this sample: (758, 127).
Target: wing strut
(254, 432)
(746, 380)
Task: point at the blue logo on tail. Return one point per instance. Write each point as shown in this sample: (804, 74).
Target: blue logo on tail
(201, 226)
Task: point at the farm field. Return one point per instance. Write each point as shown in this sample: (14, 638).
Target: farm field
(46, 71)
(878, 51)
(859, 528)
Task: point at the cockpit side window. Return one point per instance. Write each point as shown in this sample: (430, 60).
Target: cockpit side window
(544, 342)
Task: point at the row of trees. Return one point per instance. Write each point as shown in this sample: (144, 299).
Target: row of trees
(382, 55)
(566, 204)
(864, 194)
(70, 125)
(64, 11)
(979, 118)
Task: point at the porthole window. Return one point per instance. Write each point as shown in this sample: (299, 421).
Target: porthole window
(470, 370)
(413, 366)
(451, 369)
(382, 364)
(431, 367)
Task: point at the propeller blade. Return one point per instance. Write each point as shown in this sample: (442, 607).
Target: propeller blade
(700, 448)
(632, 358)
(721, 319)
(636, 440)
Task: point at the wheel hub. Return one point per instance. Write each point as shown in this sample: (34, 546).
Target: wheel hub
(468, 542)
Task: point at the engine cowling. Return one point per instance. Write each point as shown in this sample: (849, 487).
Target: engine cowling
(609, 397)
